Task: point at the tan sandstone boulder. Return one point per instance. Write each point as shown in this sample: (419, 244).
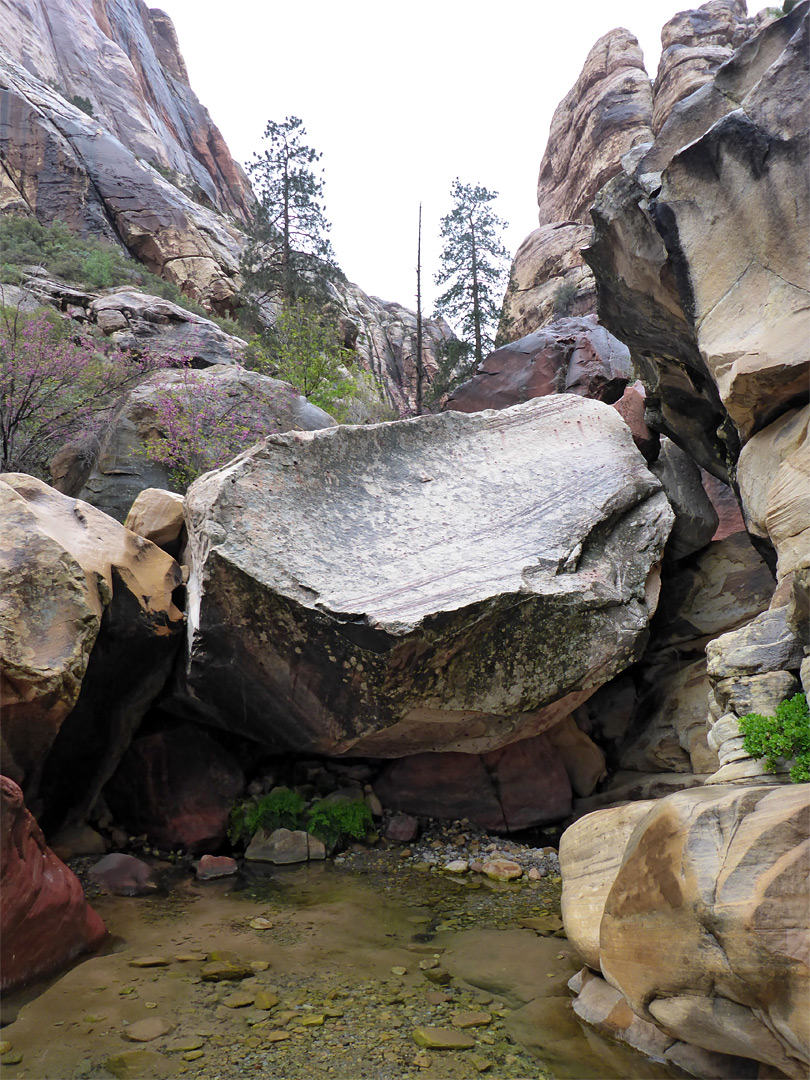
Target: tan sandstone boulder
(63, 564)
(714, 883)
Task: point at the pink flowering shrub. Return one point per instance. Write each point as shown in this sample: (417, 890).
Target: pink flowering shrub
(200, 424)
(56, 387)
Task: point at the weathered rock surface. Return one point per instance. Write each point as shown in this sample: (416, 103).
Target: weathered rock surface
(45, 921)
(383, 333)
(606, 112)
(716, 320)
(369, 604)
(72, 576)
(60, 163)
(124, 58)
(157, 515)
(549, 279)
(177, 786)
(591, 852)
(694, 44)
(523, 784)
(716, 881)
(118, 469)
(696, 520)
(571, 356)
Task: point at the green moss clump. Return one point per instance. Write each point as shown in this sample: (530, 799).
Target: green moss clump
(785, 735)
(281, 809)
(336, 821)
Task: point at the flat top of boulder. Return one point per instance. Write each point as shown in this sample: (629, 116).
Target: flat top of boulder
(398, 521)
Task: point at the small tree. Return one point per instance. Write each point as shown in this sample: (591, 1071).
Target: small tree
(56, 387)
(288, 254)
(474, 266)
(303, 347)
(200, 425)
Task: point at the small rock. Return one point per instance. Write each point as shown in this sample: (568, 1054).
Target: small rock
(423, 1060)
(546, 923)
(136, 1064)
(502, 870)
(265, 1000)
(149, 961)
(438, 976)
(437, 997)
(457, 866)
(259, 965)
(479, 1062)
(238, 1000)
(190, 957)
(425, 947)
(313, 1020)
(470, 1019)
(123, 875)
(147, 1030)
(191, 1042)
(225, 970)
(193, 1055)
(5, 1047)
(215, 866)
(260, 923)
(13, 1057)
(402, 828)
(428, 964)
(399, 970)
(535, 875)
(435, 1038)
(276, 1036)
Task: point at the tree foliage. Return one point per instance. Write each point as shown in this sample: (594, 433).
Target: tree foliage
(288, 255)
(56, 387)
(201, 425)
(473, 266)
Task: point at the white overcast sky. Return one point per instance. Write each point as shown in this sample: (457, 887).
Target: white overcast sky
(401, 99)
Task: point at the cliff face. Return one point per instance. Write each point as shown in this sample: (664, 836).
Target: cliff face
(612, 107)
(123, 58)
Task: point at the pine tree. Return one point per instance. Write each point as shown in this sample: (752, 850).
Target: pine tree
(474, 266)
(288, 255)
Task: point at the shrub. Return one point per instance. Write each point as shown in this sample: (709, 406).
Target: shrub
(82, 103)
(564, 298)
(785, 735)
(336, 821)
(55, 387)
(281, 809)
(201, 425)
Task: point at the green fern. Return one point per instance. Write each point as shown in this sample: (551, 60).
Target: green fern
(281, 809)
(336, 822)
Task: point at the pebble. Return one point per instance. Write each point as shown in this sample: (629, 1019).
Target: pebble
(398, 970)
(190, 957)
(149, 961)
(436, 1038)
(193, 1055)
(238, 1000)
(260, 923)
(147, 1030)
(5, 1047)
(276, 1036)
(470, 1019)
(265, 1000)
(192, 1042)
(457, 866)
(13, 1057)
(223, 970)
(423, 1060)
(502, 870)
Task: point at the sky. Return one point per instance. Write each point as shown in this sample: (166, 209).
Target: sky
(401, 99)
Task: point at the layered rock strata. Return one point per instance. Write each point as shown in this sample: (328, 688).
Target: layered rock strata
(370, 606)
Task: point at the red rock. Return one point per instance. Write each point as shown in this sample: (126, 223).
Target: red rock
(572, 356)
(522, 784)
(177, 786)
(726, 504)
(123, 875)
(630, 407)
(402, 827)
(45, 920)
(215, 866)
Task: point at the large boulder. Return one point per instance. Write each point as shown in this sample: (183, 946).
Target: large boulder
(178, 786)
(520, 785)
(423, 585)
(716, 881)
(45, 920)
(76, 581)
(571, 356)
